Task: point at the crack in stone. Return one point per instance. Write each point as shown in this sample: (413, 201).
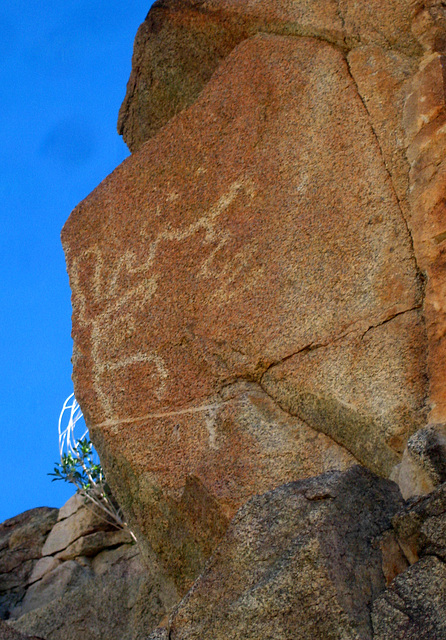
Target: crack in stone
(312, 346)
(389, 173)
(278, 404)
(309, 426)
(342, 19)
(422, 279)
(395, 315)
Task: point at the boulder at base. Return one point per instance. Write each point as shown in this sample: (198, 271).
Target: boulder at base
(414, 607)
(21, 541)
(301, 562)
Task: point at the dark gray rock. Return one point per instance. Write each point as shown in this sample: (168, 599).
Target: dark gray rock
(421, 526)
(414, 607)
(159, 634)
(7, 633)
(299, 562)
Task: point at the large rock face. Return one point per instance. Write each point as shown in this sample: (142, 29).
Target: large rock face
(256, 239)
(258, 290)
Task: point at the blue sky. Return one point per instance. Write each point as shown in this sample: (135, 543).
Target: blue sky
(65, 65)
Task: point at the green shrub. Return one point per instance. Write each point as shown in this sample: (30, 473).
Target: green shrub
(80, 465)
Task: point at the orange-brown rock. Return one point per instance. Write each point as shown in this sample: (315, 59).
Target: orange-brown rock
(383, 42)
(425, 123)
(176, 50)
(383, 77)
(182, 42)
(258, 230)
(343, 389)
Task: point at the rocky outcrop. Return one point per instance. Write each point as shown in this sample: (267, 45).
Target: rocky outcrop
(424, 119)
(258, 297)
(85, 574)
(421, 526)
(339, 556)
(252, 264)
(423, 466)
(114, 599)
(21, 542)
(182, 42)
(311, 559)
(298, 562)
(395, 51)
(414, 605)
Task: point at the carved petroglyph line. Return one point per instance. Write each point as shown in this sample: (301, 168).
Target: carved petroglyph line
(165, 414)
(140, 358)
(206, 223)
(102, 289)
(76, 280)
(139, 295)
(210, 426)
(209, 420)
(114, 306)
(127, 264)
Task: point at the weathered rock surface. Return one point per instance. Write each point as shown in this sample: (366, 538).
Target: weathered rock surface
(7, 633)
(421, 526)
(383, 77)
(62, 579)
(423, 466)
(259, 297)
(182, 42)
(344, 390)
(176, 51)
(234, 241)
(121, 602)
(97, 582)
(395, 52)
(414, 608)
(414, 605)
(82, 520)
(424, 121)
(21, 542)
(298, 562)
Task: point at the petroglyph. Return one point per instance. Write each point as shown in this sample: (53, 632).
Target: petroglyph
(109, 307)
(210, 425)
(139, 358)
(210, 409)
